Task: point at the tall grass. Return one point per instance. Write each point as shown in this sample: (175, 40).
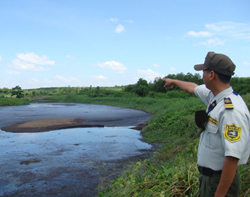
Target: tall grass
(12, 101)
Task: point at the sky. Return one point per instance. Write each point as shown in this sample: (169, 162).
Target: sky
(81, 43)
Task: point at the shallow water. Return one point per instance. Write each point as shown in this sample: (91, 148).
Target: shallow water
(109, 143)
(68, 161)
(100, 114)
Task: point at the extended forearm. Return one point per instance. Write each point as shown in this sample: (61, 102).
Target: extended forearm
(185, 85)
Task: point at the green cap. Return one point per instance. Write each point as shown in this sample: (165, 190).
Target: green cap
(217, 62)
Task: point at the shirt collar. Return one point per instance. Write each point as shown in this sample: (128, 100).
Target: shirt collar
(223, 94)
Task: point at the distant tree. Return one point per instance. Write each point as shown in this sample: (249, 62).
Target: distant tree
(180, 76)
(158, 85)
(33, 93)
(189, 77)
(142, 87)
(97, 90)
(130, 88)
(5, 90)
(17, 91)
(198, 79)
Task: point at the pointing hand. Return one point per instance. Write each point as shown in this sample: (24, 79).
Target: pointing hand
(169, 83)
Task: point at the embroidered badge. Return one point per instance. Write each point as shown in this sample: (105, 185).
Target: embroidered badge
(211, 106)
(212, 120)
(232, 132)
(228, 103)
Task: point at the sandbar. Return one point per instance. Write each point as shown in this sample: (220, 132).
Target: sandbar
(47, 125)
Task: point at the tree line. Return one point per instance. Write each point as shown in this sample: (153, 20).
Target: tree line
(16, 91)
(142, 88)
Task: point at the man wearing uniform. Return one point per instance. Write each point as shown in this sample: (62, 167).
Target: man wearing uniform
(225, 141)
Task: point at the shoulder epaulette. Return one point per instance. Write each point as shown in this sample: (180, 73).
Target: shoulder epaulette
(228, 103)
(235, 93)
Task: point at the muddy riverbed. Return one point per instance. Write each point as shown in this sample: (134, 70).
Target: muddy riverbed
(68, 162)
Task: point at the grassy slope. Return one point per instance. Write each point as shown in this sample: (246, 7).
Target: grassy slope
(172, 172)
(12, 101)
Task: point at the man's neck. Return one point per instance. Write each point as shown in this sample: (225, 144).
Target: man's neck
(219, 88)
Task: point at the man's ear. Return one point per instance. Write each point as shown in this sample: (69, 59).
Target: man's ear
(212, 74)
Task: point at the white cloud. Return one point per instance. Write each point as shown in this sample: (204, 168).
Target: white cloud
(217, 27)
(213, 42)
(35, 59)
(227, 30)
(100, 77)
(29, 61)
(12, 72)
(69, 79)
(113, 66)
(172, 69)
(70, 57)
(0, 58)
(129, 21)
(19, 64)
(246, 63)
(35, 80)
(113, 20)
(155, 65)
(119, 29)
(148, 74)
(199, 34)
(231, 29)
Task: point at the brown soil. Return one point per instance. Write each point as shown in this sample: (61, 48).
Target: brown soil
(140, 126)
(47, 125)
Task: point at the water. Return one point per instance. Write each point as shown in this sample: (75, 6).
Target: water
(97, 144)
(100, 114)
(68, 161)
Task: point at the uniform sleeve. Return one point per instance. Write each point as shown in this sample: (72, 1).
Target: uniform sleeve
(203, 93)
(234, 128)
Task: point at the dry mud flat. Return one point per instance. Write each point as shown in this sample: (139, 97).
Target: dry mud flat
(65, 166)
(47, 125)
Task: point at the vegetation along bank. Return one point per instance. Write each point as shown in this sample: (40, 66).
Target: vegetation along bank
(172, 170)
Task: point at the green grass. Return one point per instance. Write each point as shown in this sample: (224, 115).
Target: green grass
(12, 101)
(158, 179)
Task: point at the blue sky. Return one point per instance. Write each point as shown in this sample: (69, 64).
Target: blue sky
(56, 43)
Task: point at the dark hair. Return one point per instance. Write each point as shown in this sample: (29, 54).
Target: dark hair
(224, 78)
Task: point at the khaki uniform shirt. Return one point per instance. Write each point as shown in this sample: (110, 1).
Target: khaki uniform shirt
(227, 132)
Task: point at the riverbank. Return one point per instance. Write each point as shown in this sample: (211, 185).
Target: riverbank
(68, 161)
(172, 171)
(171, 125)
(13, 101)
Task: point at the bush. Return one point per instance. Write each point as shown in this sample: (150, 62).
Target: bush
(12, 101)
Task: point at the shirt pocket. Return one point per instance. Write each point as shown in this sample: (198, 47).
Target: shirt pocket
(212, 136)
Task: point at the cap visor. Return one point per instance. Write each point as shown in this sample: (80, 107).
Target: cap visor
(199, 67)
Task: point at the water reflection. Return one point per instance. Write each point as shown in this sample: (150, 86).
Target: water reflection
(108, 143)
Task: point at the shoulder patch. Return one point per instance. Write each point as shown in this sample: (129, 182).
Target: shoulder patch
(232, 132)
(228, 103)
